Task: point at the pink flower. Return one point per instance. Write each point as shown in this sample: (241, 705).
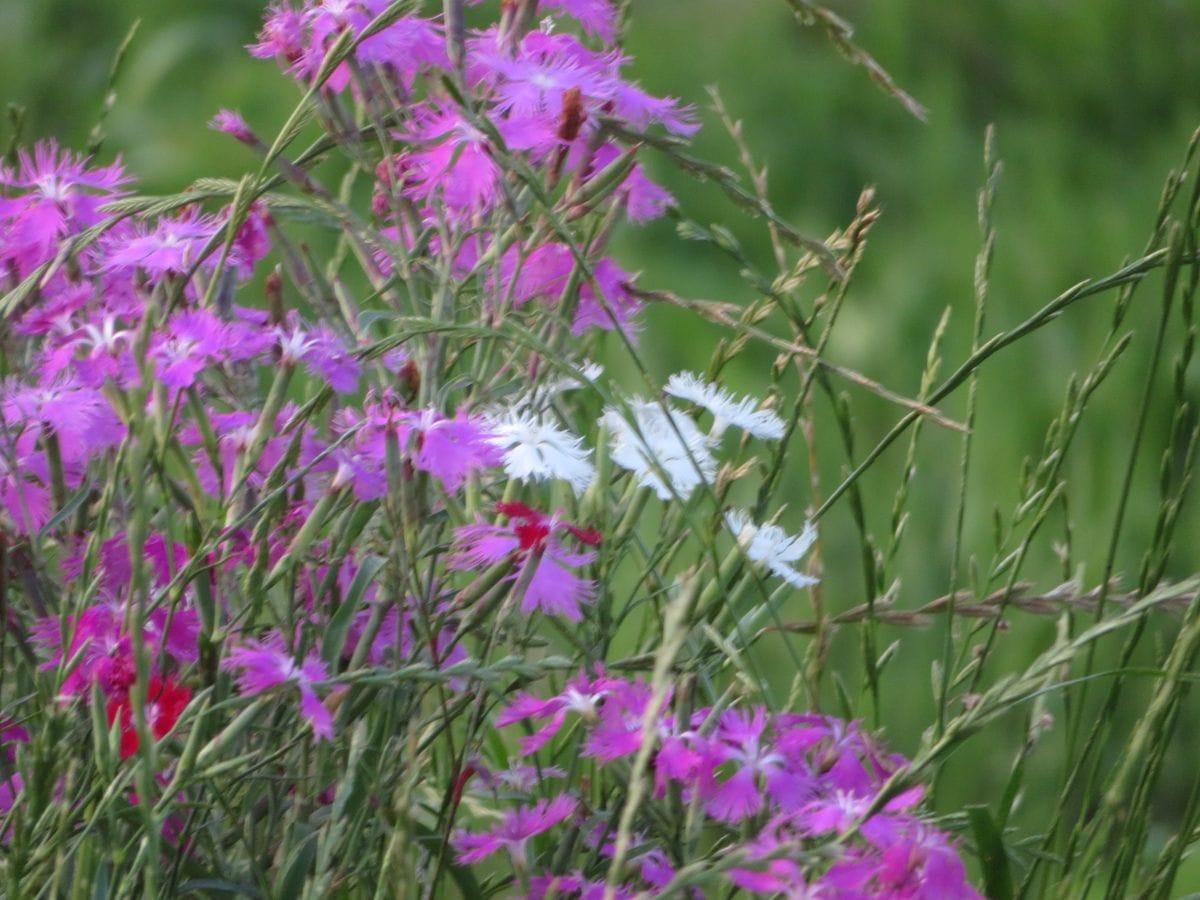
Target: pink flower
(263, 665)
(63, 197)
(534, 540)
(514, 833)
(323, 352)
(448, 449)
(170, 247)
(582, 696)
(453, 166)
(613, 307)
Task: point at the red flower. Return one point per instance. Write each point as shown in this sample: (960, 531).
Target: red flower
(165, 702)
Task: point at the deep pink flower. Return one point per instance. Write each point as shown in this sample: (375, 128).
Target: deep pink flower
(582, 695)
(535, 540)
(514, 833)
(451, 164)
(103, 650)
(62, 196)
(266, 664)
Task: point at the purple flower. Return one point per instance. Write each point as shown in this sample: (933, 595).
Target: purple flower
(267, 664)
(582, 696)
(454, 166)
(170, 247)
(613, 307)
(63, 197)
(190, 343)
(532, 539)
(740, 743)
(80, 415)
(323, 352)
(448, 449)
(514, 833)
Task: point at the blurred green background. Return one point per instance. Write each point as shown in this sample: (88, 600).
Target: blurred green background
(1092, 101)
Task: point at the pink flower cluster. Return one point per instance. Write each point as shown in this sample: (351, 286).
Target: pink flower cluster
(778, 786)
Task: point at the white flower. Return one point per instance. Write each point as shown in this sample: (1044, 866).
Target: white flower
(537, 449)
(665, 441)
(772, 546)
(726, 410)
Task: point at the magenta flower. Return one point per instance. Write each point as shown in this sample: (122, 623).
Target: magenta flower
(514, 833)
(24, 484)
(448, 449)
(283, 35)
(453, 166)
(63, 196)
(644, 200)
(96, 637)
(323, 352)
(532, 539)
(231, 123)
(613, 307)
(170, 247)
(266, 664)
(582, 696)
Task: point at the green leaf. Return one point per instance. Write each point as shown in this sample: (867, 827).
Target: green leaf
(993, 860)
(339, 623)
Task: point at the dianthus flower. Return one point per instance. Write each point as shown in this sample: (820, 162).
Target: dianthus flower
(582, 696)
(266, 664)
(661, 442)
(726, 411)
(165, 702)
(532, 539)
(62, 196)
(773, 547)
(536, 449)
(514, 833)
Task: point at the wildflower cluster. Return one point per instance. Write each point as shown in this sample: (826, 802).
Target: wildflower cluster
(267, 513)
(781, 803)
